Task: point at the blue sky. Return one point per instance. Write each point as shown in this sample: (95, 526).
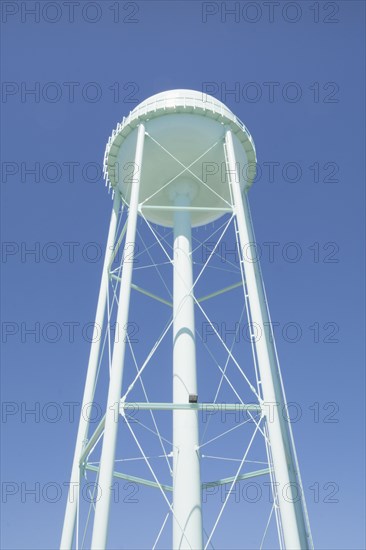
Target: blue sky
(298, 76)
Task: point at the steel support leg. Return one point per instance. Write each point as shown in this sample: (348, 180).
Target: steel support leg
(290, 499)
(99, 539)
(73, 494)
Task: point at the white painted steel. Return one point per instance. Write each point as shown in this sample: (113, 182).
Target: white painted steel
(100, 529)
(177, 138)
(81, 440)
(187, 523)
(292, 517)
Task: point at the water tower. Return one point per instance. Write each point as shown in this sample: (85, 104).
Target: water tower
(164, 165)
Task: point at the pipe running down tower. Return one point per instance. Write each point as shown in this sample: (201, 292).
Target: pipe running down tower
(154, 162)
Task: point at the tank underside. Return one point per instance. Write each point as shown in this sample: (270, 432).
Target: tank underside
(183, 143)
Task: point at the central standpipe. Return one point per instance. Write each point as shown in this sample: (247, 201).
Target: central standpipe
(187, 520)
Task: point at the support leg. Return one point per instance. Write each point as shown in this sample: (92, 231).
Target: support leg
(99, 539)
(72, 498)
(296, 534)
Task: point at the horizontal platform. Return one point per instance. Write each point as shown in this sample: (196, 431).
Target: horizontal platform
(169, 488)
(172, 208)
(208, 407)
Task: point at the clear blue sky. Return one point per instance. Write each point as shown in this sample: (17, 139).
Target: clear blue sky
(298, 73)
